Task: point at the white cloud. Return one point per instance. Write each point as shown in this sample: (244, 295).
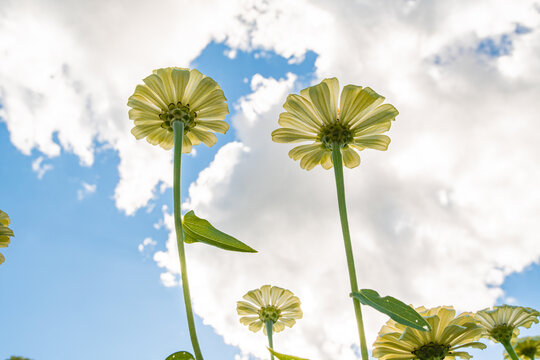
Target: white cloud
(147, 242)
(85, 190)
(40, 168)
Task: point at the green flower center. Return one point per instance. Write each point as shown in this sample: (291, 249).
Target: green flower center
(178, 112)
(335, 133)
(269, 313)
(529, 352)
(502, 333)
(432, 351)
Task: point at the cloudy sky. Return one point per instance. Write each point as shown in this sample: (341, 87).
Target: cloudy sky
(446, 216)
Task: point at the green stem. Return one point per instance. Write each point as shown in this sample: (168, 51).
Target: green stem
(510, 350)
(338, 172)
(269, 326)
(178, 128)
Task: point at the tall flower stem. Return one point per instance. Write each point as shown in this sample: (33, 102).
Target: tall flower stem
(338, 172)
(178, 128)
(269, 326)
(510, 350)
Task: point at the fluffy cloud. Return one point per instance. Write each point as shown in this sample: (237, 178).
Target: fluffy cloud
(441, 218)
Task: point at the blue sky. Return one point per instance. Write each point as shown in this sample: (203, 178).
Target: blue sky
(75, 284)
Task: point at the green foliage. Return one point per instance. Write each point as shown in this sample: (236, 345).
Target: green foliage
(180, 355)
(284, 357)
(396, 309)
(200, 230)
(17, 358)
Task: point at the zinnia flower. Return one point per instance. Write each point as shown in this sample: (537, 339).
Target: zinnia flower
(526, 348)
(502, 322)
(314, 116)
(5, 232)
(448, 333)
(176, 94)
(269, 303)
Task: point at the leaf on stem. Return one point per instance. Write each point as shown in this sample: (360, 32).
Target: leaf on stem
(396, 309)
(181, 355)
(284, 357)
(200, 230)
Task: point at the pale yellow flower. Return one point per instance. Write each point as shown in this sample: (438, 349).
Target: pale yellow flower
(448, 333)
(526, 348)
(501, 323)
(176, 94)
(5, 233)
(314, 116)
(269, 303)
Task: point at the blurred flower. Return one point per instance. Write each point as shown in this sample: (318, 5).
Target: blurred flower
(314, 116)
(269, 303)
(176, 94)
(526, 348)
(448, 333)
(502, 322)
(5, 233)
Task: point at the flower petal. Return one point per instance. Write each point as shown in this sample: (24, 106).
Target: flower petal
(383, 113)
(202, 92)
(311, 159)
(286, 135)
(155, 84)
(195, 77)
(357, 102)
(351, 159)
(288, 120)
(377, 142)
(302, 109)
(324, 98)
(213, 125)
(208, 138)
(300, 151)
(180, 79)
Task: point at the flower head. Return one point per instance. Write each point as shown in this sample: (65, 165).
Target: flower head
(526, 348)
(448, 333)
(269, 303)
(314, 116)
(5, 232)
(501, 323)
(176, 94)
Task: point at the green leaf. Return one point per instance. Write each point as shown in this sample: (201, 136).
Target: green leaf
(284, 357)
(200, 230)
(181, 355)
(397, 310)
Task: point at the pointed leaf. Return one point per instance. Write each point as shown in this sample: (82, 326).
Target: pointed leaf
(283, 356)
(181, 355)
(200, 230)
(396, 309)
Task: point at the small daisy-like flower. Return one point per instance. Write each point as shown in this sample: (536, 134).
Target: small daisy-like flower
(314, 115)
(5, 233)
(526, 348)
(448, 333)
(501, 323)
(176, 94)
(269, 303)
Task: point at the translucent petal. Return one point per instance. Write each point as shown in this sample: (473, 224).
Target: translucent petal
(326, 161)
(140, 131)
(180, 78)
(214, 98)
(357, 103)
(155, 84)
(265, 292)
(288, 120)
(311, 159)
(383, 113)
(168, 85)
(255, 297)
(143, 106)
(246, 320)
(324, 99)
(213, 125)
(300, 151)
(145, 92)
(303, 110)
(255, 326)
(351, 159)
(217, 112)
(193, 138)
(286, 135)
(186, 145)
(208, 138)
(245, 308)
(167, 142)
(195, 77)
(377, 142)
(202, 91)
